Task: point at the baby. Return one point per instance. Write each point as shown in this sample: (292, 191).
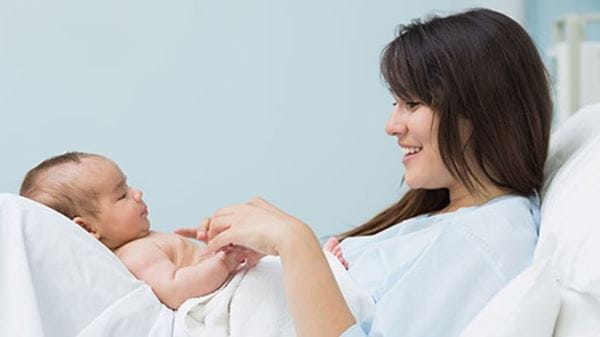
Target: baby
(92, 191)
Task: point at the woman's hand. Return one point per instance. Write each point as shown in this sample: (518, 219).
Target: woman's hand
(256, 225)
(316, 302)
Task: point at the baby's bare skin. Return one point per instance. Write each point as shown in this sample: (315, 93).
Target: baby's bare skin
(175, 268)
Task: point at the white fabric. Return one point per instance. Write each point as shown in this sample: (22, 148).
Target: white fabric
(527, 306)
(566, 257)
(570, 232)
(253, 304)
(57, 280)
(431, 275)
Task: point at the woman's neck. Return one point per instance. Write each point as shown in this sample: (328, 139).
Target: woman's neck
(461, 197)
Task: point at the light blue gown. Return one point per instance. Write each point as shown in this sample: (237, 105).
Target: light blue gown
(430, 275)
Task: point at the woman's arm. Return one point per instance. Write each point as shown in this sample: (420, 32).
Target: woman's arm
(315, 300)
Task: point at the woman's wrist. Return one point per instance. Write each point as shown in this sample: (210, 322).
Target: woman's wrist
(298, 239)
(316, 302)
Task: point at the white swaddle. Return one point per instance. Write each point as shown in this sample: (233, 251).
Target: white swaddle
(56, 280)
(253, 304)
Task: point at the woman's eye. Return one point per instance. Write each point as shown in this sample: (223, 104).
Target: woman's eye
(394, 103)
(412, 105)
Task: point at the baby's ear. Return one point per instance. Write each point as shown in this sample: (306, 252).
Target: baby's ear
(85, 224)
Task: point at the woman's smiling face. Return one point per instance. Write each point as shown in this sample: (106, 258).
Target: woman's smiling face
(416, 127)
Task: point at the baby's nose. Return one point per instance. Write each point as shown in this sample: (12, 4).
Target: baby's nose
(137, 194)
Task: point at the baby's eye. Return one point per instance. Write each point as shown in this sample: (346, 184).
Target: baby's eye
(123, 196)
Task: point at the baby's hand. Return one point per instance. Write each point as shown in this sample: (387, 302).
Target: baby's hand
(198, 233)
(333, 245)
(232, 258)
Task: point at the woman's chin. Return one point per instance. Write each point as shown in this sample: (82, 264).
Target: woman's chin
(411, 183)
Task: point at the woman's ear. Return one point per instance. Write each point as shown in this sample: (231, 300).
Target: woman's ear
(85, 224)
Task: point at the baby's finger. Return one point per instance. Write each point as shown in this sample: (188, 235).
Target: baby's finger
(202, 230)
(252, 259)
(235, 255)
(187, 232)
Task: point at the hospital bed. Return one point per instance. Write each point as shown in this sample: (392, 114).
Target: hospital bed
(56, 280)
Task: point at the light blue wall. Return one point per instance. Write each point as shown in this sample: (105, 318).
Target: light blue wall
(541, 14)
(208, 103)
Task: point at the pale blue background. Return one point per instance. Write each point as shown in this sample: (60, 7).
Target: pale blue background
(208, 103)
(539, 14)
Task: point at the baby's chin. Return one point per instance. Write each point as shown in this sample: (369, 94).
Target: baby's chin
(146, 230)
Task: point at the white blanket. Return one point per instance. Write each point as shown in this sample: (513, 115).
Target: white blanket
(57, 280)
(253, 304)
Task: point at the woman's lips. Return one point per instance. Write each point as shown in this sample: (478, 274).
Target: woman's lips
(409, 156)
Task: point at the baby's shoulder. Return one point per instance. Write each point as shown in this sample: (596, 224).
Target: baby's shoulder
(137, 246)
(166, 240)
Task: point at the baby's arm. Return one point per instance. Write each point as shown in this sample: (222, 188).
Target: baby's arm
(173, 285)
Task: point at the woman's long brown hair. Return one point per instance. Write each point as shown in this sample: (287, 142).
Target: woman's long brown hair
(479, 66)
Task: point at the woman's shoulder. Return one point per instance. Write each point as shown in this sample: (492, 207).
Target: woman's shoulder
(505, 230)
(506, 212)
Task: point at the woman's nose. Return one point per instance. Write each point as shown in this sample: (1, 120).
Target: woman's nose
(396, 124)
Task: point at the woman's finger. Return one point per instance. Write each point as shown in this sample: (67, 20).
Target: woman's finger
(265, 205)
(215, 230)
(221, 221)
(222, 241)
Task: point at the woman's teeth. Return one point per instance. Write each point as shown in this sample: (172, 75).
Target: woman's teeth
(412, 150)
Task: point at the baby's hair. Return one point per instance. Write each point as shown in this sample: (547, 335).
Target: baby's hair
(50, 183)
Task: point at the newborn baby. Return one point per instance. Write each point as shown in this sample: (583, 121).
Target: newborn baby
(92, 191)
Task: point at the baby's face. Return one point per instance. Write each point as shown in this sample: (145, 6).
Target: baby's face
(123, 215)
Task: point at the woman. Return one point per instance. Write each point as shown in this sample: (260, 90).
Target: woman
(472, 113)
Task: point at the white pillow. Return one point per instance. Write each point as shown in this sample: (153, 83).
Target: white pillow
(570, 138)
(579, 315)
(57, 280)
(527, 306)
(570, 228)
(565, 273)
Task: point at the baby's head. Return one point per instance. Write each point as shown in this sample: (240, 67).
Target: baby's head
(92, 191)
